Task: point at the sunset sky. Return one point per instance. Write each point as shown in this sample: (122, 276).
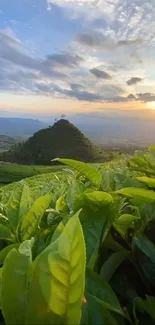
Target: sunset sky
(69, 56)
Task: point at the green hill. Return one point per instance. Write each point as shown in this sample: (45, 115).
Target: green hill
(63, 139)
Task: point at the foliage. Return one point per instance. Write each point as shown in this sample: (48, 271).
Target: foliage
(13, 172)
(6, 142)
(78, 247)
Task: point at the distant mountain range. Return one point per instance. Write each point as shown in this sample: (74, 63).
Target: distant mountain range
(20, 127)
(108, 131)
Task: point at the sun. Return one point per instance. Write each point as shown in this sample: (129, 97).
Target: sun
(151, 105)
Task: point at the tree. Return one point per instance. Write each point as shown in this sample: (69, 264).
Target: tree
(63, 116)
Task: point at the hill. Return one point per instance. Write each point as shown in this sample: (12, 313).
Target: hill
(63, 139)
(6, 142)
(20, 127)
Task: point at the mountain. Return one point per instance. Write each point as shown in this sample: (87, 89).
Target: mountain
(20, 127)
(6, 142)
(63, 139)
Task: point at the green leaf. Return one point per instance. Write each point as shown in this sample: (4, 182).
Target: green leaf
(58, 279)
(140, 161)
(14, 285)
(99, 199)
(95, 219)
(59, 229)
(145, 256)
(99, 288)
(152, 149)
(112, 244)
(18, 204)
(146, 306)
(93, 227)
(108, 180)
(74, 190)
(31, 220)
(4, 252)
(95, 313)
(0, 286)
(94, 199)
(5, 233)
(61, 204)
(90, 172)
(147, 180)
(124, 222)
(147, 195)
(111, 265)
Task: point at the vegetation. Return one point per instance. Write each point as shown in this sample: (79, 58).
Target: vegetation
(6, 143)
(61, 140)
(13, 172)
(78, 247)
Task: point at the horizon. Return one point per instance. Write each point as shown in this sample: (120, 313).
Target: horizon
(105, 130)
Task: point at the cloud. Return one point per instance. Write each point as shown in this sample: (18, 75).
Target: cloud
(99, 40)
(12, 51)
(146, 97)
(22, 73)
(94, 39)
(64, 59)
(78, 92)
(131, 97)
(74, 92)
(100, 73)
(129, 42)
(122, 99)
(76, 87)
(128, 21)
(133, 81)
(90, 9)
(84, 95)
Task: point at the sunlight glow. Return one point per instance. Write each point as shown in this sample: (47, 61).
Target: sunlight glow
(151, 105)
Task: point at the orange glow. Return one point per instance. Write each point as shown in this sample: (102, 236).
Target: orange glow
(47, 105)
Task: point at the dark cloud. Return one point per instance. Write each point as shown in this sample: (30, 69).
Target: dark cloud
(64, 59)
(129, 42)
(122, 99)
(75, 86)
(100, 73)
(77, 91)
(81, 95)
(84, 95)
(131, 97)
(100, 41)
(133, 81)
(146, 97)
(94, 39)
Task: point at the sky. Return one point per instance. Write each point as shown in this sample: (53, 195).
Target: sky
(77, 57)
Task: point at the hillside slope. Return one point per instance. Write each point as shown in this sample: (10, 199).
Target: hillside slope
(6, 142)
(63, 139)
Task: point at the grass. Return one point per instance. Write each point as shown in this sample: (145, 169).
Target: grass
(13, 172)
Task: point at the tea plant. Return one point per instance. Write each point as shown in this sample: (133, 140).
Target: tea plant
(80, 249)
